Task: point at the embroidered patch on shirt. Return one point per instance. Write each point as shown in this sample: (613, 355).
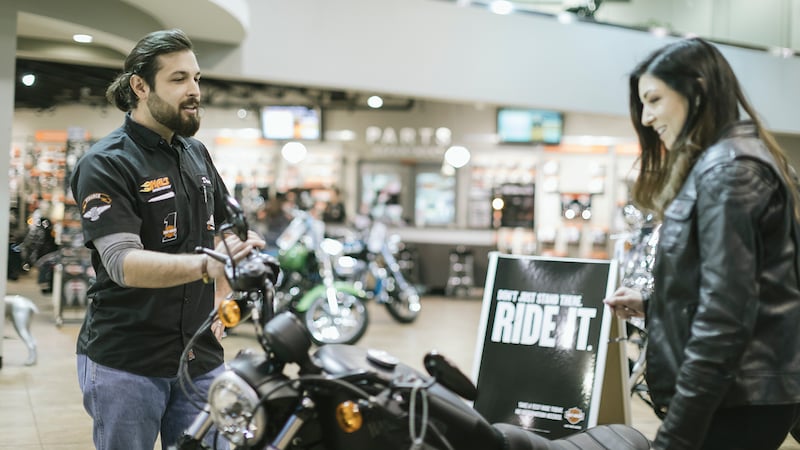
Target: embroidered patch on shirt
(164, 196)
(170, 232)
(94, 205)
(158, 184)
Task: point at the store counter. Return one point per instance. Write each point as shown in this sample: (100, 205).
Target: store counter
(435, 245)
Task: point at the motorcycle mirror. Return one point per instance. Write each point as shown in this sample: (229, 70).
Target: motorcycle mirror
(236, 217)
(449, 376)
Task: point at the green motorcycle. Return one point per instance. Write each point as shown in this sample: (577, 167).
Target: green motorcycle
(334, 311)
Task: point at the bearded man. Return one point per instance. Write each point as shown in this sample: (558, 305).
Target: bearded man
(149, 194)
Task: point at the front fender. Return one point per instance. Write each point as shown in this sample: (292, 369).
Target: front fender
(319, 290)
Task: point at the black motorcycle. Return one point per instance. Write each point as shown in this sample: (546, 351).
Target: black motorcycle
(346, 397)
(37, 249)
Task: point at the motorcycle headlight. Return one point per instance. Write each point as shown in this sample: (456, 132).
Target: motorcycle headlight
(236, 410)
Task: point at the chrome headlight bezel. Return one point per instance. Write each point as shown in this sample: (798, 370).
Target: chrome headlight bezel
(236, 409)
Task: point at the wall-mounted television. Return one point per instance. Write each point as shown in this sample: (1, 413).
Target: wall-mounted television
(529, 126)
(291, 122)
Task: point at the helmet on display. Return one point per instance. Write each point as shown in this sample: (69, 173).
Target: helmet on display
(294, 258)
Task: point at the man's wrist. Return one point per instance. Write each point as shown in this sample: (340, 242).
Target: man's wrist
(204, 271)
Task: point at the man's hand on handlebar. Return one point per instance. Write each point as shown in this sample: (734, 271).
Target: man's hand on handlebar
(232, 245)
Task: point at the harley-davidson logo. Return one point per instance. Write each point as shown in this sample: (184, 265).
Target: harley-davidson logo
(170, 231)
(155, 185)
(574, 415)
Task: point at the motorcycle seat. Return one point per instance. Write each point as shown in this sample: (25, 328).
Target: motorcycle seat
(602, 437)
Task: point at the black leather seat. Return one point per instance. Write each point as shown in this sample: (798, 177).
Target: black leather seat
(602, 437)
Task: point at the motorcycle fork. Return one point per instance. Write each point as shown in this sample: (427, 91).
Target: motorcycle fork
(200, 426)
(330, 289)
(393, 267)
(284, 438)
(379, 274)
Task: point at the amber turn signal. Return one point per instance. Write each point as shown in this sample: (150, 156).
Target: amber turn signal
(349, 417)
(229, 313)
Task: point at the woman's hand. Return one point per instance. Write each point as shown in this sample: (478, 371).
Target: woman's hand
(626, 303)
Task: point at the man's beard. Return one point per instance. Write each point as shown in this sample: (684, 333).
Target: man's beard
(166, 115)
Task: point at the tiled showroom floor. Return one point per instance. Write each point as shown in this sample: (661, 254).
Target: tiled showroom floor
(40, 406)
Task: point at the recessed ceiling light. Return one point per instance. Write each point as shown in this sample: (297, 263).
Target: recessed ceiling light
(82, 38)
(501, 7)
(294, 152)
(28, 79)
(375, 101)
(457, 156)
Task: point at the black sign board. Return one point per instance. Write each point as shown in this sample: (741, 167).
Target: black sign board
(542, 345)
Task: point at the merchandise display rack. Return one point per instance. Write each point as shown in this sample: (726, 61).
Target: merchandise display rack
(41, 168)
(73, 274)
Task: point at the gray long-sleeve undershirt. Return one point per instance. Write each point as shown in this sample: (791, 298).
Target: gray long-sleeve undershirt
(112, 249)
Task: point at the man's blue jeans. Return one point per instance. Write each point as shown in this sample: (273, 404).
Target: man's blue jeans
(129, 411)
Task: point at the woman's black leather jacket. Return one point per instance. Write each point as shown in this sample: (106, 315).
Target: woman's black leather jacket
(724, 318)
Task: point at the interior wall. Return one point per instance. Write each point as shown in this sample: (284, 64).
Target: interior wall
(766, 23)
(8, 44)
(791, 145)
(439, 50)
(97, 15)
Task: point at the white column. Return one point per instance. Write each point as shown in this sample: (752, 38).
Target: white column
(8, 50)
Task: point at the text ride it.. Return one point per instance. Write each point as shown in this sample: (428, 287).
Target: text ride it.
(531, 318)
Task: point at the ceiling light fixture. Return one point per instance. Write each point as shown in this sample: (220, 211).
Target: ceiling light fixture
(501, 7)
(28, 79)
(659, 32)
(375, 102)
(294, 152)
(565, 18)
(457, 156)
(82, 38)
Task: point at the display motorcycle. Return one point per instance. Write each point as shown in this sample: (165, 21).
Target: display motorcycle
(374, 267)
(333, 310)
(281, 397)
(636, 254)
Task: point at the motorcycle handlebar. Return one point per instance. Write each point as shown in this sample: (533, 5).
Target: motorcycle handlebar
(212, 253)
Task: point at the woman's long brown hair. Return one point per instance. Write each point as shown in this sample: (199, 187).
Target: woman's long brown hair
(698, 71)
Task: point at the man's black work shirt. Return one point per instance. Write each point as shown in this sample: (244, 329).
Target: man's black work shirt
(133, 181)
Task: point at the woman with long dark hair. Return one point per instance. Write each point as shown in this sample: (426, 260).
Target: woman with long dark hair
(723, 320)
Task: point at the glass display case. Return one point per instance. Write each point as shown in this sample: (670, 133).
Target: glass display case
(435, 199)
